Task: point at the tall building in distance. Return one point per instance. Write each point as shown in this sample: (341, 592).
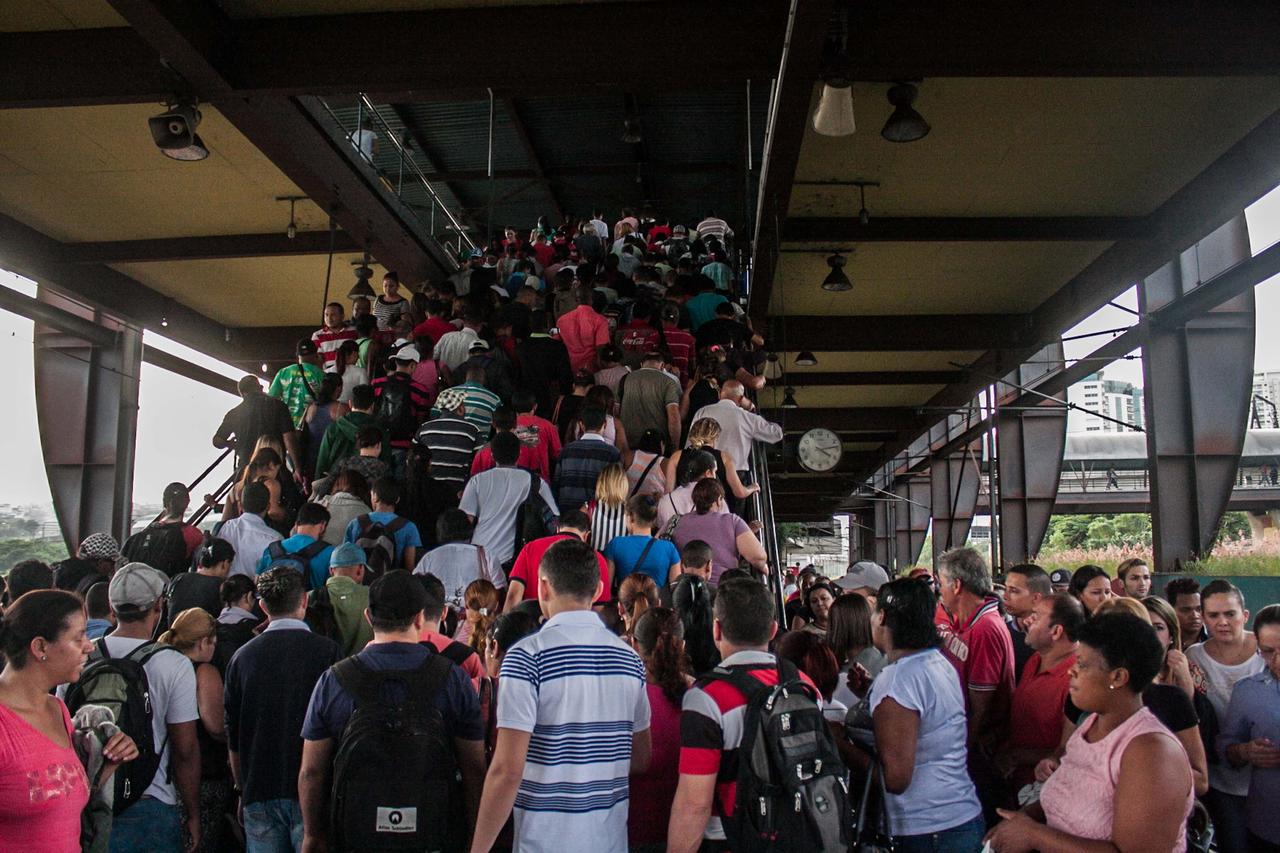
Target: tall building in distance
(1266, 398)
(1096, 394)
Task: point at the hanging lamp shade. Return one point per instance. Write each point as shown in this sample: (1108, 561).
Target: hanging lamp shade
(836, 280)
(789, 399)
(905, 124)
(772, 366)
(362, 286)
(805, 359)
(834, 114)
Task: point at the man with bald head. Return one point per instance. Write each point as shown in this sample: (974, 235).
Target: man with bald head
(739, 425)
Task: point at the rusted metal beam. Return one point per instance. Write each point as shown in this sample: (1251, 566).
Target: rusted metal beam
(873, 377)
(940, 229)
(274, 244)
(905, 332)
(845, 418)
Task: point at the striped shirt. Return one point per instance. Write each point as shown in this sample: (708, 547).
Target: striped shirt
(607, 523)
(579, 691)
(388, 313)
(581, 462)
(328, 341)
(480, 404)
(452, 441)
(713, 226)
(711, 722)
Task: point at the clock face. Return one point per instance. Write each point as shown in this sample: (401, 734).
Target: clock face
(819, 450)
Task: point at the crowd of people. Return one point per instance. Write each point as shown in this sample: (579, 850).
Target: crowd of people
(490, 578)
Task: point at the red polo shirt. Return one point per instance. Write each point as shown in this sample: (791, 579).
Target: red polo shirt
(525, 568)
(1037, 709)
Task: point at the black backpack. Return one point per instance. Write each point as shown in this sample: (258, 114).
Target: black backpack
(792, 794)
(121, 685)
(379, 543)
(160, 546)
(395, 782)
(531, 515)
(395, 409)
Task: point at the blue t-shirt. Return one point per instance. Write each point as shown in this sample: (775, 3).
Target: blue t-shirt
(405, 537)
(331, 706)
(318, 565)
(625, 551)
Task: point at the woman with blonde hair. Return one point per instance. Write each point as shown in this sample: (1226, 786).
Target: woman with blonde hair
(637, 594)
(194, 632)
(1176, 669)
(609, 510)
(703, 435)
(481, 602)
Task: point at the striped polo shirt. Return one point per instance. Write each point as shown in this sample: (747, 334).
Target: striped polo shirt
(479, 405)
(581, 462)
(452, 442)
(579, 691)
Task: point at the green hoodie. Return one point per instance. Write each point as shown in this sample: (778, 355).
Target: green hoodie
(339, 441)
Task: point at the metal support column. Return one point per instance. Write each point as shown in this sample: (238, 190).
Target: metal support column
(883, 536)
(1198, 377)
(87, 413)
(953, 483)
(1030, 443)
(911, 516)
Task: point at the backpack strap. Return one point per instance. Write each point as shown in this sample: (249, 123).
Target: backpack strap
(276, 550)
(365, 523)
(365, 684)
(103, 651)
(740, 679)
(396, 525)
(644, 475)
(313, 550)
(457, 652)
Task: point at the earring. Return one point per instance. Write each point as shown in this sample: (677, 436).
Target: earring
(1112, 687)
(44, 657)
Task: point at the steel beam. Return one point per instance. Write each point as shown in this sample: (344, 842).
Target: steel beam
(953, 483)
(904, 332)
(805, 34)
(87, 415)
(926, 229)
(873, 377)
(1198, 378)
(1142, 38)
(1029, 448)
(274, 244)
(911, 521)
(846, 419)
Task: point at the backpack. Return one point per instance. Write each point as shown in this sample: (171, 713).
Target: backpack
(160, 546)
(320, 615)
(121, 685)
(379, 543)
(395, 413)
(299, 561)
(394, 775)
(792, 794)
(531, 515)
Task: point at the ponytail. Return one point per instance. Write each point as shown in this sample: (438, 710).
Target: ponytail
(659, 636)
(637, 594)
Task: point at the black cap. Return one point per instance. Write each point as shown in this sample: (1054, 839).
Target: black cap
(306, 347)
(396, 596)
(1060, 576)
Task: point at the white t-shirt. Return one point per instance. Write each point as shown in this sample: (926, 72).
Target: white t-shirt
(1216, 681)
(492, 498)
(457, 564)
(172, 680)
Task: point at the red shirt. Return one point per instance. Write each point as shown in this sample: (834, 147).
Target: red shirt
(682, 346)
(1037, 709)
(981, 650)
(525, 568)
(434, 328)
(539, 447)
(639, 337)
(583, 330)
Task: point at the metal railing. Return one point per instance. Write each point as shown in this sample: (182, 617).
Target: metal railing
(384, 132)
(769, 529)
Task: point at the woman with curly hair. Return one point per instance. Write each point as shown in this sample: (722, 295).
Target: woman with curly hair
(481, 602)
(658, 637)
(637, 594)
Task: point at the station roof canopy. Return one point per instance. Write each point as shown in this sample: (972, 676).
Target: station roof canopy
(1073, 150)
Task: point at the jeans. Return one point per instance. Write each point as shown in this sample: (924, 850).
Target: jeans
(965, 838)
(1229, 831)
(273, 826)
(147, 826)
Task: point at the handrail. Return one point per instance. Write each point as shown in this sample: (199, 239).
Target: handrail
(197, 481)
(367, 107)
(764, 512)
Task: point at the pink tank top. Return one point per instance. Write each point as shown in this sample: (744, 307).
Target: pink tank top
(1078, 798)
(42, 789)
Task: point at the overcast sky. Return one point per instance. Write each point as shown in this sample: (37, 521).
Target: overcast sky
(178, 416)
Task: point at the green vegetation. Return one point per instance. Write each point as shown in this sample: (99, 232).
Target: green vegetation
(16, 550)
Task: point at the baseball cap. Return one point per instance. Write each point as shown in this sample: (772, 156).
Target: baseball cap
(478, 345)
(680, 229)
(408, 352)
(136, 586)
(863, 573)
(450, 399)
(306, 347)
(347, 554)
(99, 546)
(396, 596)
(1060, 577)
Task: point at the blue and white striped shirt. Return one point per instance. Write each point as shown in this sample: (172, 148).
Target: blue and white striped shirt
(580, 692)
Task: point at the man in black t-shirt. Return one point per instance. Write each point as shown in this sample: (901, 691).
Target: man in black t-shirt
(256, 415)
